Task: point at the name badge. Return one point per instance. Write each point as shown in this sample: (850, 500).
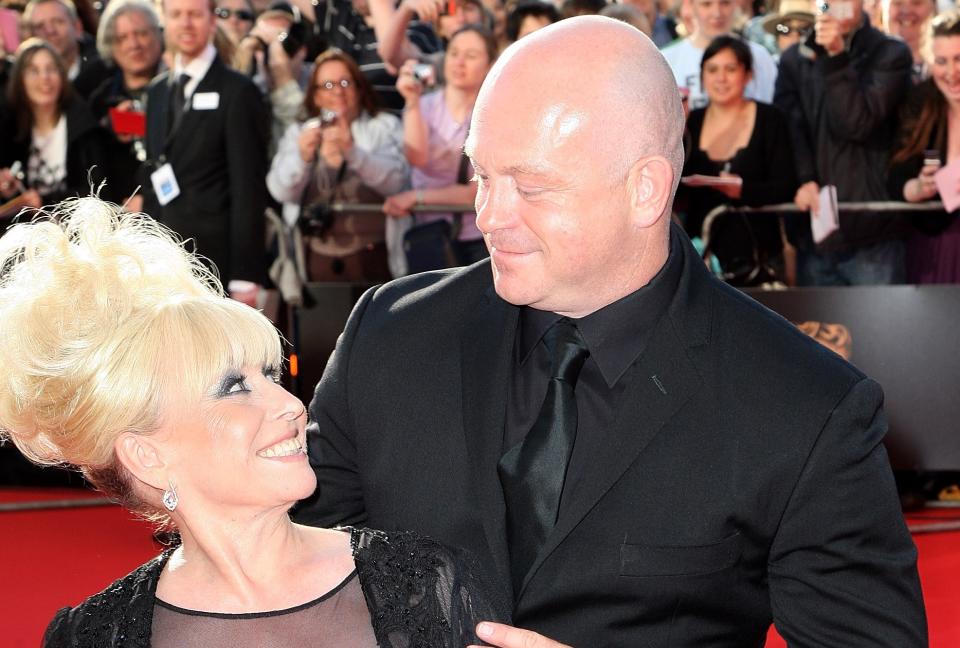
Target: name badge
(206, 100)
(165, 184)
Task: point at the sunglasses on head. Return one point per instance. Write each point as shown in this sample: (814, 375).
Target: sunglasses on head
(241, 14)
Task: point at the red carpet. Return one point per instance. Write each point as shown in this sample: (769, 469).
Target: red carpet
(53, 558)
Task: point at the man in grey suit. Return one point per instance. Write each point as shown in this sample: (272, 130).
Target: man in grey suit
(207, 133)
(639, 454)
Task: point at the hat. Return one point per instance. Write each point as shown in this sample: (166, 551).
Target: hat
(788, 10)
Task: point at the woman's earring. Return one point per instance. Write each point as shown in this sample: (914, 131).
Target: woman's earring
(170, 499)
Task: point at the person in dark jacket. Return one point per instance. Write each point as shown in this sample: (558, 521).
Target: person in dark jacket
(840, 90)
(55, 140)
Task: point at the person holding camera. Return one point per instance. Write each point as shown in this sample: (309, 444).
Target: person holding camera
(435, 127)
(840, 89)
(346, 149)
(130, 40)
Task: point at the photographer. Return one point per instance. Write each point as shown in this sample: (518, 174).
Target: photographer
(347, 149)
(435, 127)
(129, 38)
(272, 54)
(840, 89)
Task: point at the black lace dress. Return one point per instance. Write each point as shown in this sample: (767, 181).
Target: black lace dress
(406, 592)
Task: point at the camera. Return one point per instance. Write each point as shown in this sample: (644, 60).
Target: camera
(326, 118)
(425, 74)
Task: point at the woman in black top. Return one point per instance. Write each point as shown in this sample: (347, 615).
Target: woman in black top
(122, 357)
(743, 148)
(54, 138)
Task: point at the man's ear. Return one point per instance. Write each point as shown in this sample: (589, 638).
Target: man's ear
(142, 457)
(650, 185)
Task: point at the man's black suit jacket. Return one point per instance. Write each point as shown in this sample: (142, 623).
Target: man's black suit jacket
(219, 158)
(752, 486)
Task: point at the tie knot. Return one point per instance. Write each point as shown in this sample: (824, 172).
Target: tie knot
(567, 350)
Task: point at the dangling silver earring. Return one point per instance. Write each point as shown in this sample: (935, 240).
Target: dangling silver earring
(170, 499)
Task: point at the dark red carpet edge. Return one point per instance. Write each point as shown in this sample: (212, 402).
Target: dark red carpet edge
(50, 559)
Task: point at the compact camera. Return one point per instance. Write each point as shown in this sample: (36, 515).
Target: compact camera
(425, 74)
(325, 118)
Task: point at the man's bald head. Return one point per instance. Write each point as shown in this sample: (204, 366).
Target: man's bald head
(609, 71)
(577, 141)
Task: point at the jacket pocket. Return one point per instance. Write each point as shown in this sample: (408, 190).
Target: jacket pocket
(679, 560)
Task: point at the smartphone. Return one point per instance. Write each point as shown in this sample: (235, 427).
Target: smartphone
(128, 122)
(931, 157)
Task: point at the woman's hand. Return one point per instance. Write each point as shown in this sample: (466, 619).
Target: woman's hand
(337, 142)
(924, 186)
(399, 205)
(308, 142)
(9, 184)
(426, 10)
(408, 87)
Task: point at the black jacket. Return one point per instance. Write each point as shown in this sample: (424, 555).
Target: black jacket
(419, 593)
(842, 113)
(86, 154)
(743, 478)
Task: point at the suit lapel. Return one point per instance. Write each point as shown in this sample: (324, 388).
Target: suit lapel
(660, 382)
(487, 352)
(209, 83)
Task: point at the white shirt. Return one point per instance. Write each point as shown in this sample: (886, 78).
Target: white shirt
(684, 59)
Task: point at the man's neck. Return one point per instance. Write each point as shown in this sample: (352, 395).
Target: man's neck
(136, 81)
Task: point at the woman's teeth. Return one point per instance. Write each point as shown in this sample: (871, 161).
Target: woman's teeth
(283, 449)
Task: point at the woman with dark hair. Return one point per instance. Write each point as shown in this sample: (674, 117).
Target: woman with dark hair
(345, 150)
(55, 143)
(165, 394)
(528, 16)
(435, 128)
(739, 154)
(930, 138)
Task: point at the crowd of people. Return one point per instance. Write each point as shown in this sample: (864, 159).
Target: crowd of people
(204, 113)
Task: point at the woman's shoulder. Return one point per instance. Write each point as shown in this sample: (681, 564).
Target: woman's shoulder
(122, 609)
(409, 577)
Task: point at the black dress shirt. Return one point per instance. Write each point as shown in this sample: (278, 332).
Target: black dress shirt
(616, 335)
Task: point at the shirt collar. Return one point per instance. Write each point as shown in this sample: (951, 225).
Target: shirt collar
(197, 68)
(617, 333)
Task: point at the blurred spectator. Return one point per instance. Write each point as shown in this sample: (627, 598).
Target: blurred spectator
(56, 22)
(347, 149)
(467, 12)
(791, 23)
(840, 90)
(130, 39)
(377, 35)
(570, 8)
(750, 25)
(235, 18)
(909, 20)
(435, 127)
(664, 28)
(273, 55)
(737, 139)
(714, 18)
(929, 124)
(498, 10)
(56, 142)
(628, 14)
(207, 136)
(529, 16)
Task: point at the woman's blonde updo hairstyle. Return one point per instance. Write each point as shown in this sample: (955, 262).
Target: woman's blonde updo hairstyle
(108, 324)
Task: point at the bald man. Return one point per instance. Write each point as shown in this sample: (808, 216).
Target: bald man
(639, 454)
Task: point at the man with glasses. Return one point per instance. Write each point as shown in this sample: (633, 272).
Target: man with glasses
(791, 23)
(207, 134)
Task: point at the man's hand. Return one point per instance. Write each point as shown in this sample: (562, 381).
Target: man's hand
(808, 197)
(504, 636)
(829, 36)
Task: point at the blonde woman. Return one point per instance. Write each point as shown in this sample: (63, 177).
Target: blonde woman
(121, 356)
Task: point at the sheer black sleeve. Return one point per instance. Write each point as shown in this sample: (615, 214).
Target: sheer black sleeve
(422, 594)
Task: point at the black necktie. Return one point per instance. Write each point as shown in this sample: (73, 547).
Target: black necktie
(533, 471)
(178, 100)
